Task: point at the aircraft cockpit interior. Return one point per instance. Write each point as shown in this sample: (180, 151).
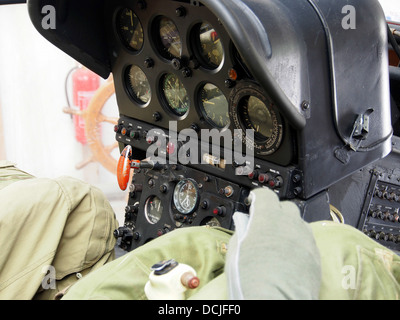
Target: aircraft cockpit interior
(219, 98)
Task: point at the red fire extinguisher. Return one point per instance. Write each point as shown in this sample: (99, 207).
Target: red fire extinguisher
(85, 83)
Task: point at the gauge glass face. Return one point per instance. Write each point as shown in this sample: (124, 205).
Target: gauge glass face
(130, 29)
(153, 210)
(214, 105)
(170, 39)
(175, 94)
(138, 85)
(186, 196)
(256, 115)
(211, 49)
(251, 109)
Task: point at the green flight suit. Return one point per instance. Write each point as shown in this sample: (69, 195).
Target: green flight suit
(67, 225)
(52, 232)
(272, 255)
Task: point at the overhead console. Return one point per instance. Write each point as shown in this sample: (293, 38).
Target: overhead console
(217, 98)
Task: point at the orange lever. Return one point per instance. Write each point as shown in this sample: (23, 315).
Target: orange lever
(124, 168)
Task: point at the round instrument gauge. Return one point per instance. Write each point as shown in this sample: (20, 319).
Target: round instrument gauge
(256, 115)
(252, 110)
(153, 210)
(138, 85)
(186, 196)
(175, 94)
(208, 46)
(130, 29)
(170, 40)
(214, 106)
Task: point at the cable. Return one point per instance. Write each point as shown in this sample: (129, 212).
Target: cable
(336, 215)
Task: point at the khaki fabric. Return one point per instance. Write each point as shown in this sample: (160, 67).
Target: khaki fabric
(10, 174)
(355, 267)
(202, 248)
(67, 226)
(63, 223)
(277, 260)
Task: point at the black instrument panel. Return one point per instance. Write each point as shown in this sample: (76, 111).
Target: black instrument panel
(174, 61)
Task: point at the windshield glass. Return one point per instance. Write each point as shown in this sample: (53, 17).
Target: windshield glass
(392, 9)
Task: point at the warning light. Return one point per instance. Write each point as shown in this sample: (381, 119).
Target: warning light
(233, 75)
(214, 36)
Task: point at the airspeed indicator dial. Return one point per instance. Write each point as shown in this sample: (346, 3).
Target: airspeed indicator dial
(130, 29)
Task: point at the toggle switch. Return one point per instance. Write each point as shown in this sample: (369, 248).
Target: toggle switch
(220, 211)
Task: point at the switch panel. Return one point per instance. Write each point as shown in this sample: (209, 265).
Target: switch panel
(380, 215)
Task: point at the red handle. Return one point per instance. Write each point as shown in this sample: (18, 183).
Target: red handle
(124, 168)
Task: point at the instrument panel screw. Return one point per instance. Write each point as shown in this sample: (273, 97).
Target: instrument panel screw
(149, 63)
(186, 72)
(229, 83)
(305, 105)
(157, 116)
(180, 12)
(142, 5)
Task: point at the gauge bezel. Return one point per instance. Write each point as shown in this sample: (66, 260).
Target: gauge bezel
(160, 49)
(263, 147)
(203, 112)
(146, 212)
(129, 89)
(195, 46)
(177, 190)
(117, 26)
(164, 101)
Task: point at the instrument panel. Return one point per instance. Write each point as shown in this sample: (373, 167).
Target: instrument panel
(174, 61)
(274, 68)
